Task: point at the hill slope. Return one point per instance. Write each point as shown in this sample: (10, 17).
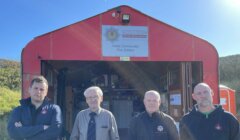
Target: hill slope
(229, 69)
(10, 74)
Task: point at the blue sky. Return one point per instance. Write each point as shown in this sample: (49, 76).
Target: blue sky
(217, 21)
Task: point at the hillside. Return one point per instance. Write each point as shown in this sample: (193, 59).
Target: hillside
(229, 69)
(10, 74)
(9, 63)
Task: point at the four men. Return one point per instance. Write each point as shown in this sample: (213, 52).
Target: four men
(37, 119)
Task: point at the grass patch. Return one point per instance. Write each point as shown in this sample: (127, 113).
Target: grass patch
(3, 127)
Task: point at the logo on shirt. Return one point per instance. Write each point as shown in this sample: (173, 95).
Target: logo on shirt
(218, 127)
(160, 128)
(44, 111)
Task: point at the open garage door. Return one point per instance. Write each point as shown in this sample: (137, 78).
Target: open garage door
(124, 84)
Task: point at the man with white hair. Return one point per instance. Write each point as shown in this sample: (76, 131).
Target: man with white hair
(94, 123)
(208, 121)
(153, 124)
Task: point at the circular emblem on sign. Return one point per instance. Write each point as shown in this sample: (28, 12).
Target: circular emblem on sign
(112, 34)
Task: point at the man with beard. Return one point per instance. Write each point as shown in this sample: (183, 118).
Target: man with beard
(208, 121)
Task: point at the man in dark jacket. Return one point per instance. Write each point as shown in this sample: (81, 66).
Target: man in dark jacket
(207, 121)
(36, 118)
(153, 124)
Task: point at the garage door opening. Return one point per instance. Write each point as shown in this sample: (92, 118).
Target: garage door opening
(123, 83)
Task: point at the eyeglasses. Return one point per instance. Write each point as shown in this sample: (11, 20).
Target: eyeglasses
(92, 98)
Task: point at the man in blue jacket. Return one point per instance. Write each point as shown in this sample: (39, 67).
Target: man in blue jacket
(36, 118)
(208, 121)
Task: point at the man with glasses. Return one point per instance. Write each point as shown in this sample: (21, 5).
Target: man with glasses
(94, 123)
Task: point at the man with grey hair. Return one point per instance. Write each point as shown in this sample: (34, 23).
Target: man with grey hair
(153, 124)
(94, 123)
(208, 121)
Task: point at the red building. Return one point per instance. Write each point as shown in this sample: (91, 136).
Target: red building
(125, 52)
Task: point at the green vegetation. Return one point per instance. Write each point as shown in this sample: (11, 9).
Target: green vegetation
(229, 69)
(9, 85)
(9, 92)
(3, 126)
(8, 100)
(10, 74)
